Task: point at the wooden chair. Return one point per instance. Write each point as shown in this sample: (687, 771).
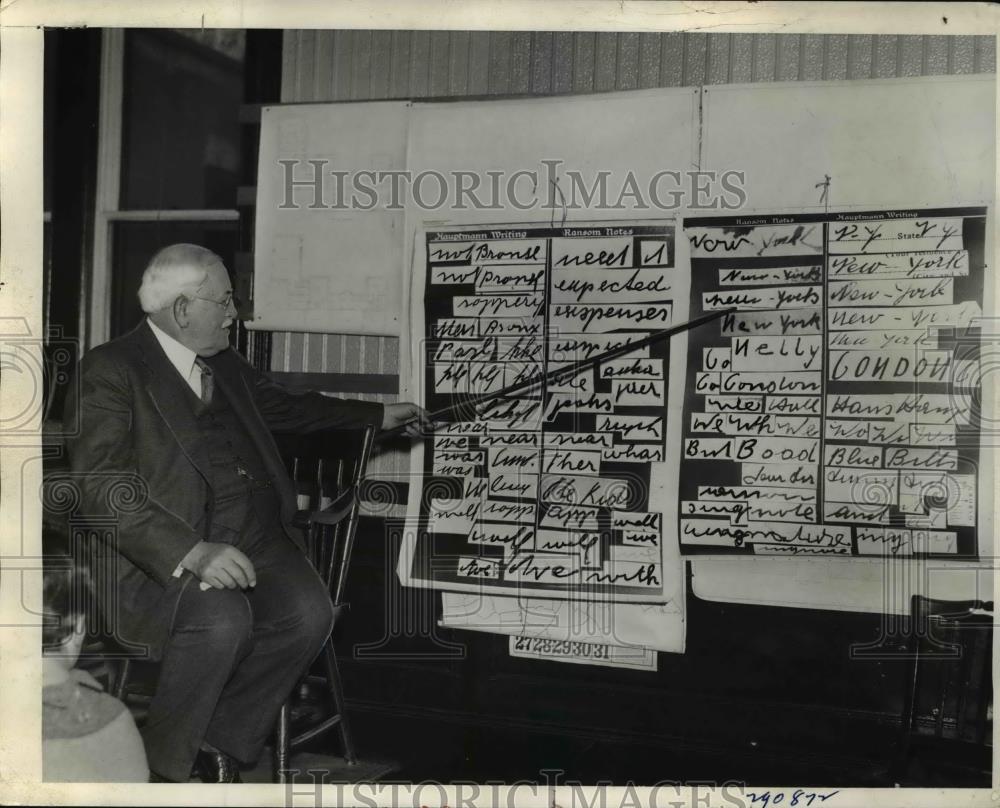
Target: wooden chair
(328, 469)
(946, 727)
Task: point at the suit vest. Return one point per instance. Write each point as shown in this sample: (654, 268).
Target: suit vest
(244, 495)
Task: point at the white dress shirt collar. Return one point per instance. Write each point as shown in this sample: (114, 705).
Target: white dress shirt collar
(180, 356)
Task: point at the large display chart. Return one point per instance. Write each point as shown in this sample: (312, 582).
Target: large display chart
(837, 411)
(558, 491)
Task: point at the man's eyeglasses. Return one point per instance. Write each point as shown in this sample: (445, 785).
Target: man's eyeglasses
(224, 304)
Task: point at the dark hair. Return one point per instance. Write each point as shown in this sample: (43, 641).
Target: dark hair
(66, 596)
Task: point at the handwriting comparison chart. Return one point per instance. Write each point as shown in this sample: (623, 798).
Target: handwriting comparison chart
(834, 412)
(548, 491)
(837, 411)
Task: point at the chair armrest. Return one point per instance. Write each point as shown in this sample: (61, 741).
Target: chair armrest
(332, 514)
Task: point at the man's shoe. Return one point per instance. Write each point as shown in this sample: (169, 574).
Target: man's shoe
(214, 766)
(159, 778)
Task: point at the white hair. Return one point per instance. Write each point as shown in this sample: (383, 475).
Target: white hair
(179, 269)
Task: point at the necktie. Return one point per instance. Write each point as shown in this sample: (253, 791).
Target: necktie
(207, 382)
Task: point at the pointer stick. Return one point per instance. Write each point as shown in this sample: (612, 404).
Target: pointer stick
(554, 376)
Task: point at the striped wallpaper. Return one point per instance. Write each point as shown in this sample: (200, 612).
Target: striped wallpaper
(364, 65)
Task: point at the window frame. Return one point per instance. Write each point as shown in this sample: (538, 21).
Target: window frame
(95, 314)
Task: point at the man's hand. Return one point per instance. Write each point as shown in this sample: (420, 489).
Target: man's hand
(415, 417)
(220, 565)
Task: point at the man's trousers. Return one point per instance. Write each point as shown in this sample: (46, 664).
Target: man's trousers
(232, 657)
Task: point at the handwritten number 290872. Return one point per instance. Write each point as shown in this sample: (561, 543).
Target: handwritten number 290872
(799, 797)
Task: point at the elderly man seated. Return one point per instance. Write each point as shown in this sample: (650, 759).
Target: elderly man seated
(206, 568)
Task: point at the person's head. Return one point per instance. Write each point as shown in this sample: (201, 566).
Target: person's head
(186, 292)
(66, 594)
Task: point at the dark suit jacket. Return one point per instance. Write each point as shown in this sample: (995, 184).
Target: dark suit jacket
(136, 452)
